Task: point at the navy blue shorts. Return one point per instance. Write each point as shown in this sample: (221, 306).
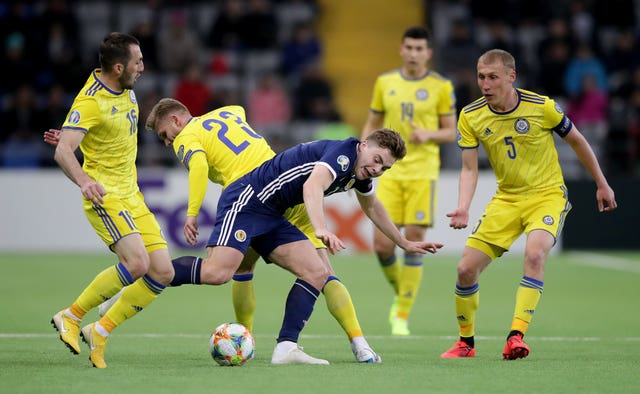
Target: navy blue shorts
(243, 221)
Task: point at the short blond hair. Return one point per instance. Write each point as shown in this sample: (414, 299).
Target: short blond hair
(161, 110)
(498, 55)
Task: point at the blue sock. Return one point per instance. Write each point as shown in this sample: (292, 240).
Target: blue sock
(187, 270)
(297, 312)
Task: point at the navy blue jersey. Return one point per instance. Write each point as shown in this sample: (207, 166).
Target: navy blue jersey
(278, 182)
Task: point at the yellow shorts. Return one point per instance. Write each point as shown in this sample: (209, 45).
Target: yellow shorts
(507, 216)
(409, 202)
(299, 218)
(119, 217)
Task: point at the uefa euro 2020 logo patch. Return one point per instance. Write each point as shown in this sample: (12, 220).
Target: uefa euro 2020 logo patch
(240, 235)
(132, 96)
(181, 153)
(548, 220)
(558, 108)
(521, 126)
(343, 162)
(74, 117)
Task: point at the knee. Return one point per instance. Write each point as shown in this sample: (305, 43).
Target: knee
(467, 275)
(211, 274)
(137, 265)
(534, 260)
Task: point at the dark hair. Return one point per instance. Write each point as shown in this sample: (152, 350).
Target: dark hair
(417, 32)
(115, 49)
(389, 139)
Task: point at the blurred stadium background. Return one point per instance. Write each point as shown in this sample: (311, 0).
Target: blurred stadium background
(304, 69)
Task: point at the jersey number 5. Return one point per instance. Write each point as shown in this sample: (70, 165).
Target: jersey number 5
(511, 147)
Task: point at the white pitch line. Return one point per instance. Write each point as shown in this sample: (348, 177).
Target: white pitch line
(604, 261)
(339, 337)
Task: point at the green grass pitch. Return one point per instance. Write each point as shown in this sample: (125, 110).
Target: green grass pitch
(585, 337)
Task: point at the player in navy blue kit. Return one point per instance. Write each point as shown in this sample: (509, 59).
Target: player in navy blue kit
(250, 213)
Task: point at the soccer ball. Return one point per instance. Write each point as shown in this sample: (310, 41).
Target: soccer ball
(231, 344)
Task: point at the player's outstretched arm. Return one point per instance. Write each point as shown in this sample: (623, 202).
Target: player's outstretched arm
(313, 194)
(466, 189)
(604, 195)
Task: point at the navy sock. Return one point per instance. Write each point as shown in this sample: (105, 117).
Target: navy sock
(187, 270)
(300, 301)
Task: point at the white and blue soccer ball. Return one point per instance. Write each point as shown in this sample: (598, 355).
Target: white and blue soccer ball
(231, 344)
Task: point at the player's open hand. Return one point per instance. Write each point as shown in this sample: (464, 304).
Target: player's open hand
(93, 191)
(191, 230)
(52, 136)
(331, 241)
(606, 199)
(459, 218)
(422, 247)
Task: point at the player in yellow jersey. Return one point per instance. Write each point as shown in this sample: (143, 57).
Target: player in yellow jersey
(419, 104)
(516, 128)
(103, 122)
(223, 156)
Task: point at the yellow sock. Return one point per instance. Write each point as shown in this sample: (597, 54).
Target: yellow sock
(341, 307)
(467, 301)
(133, 300)
(527, 298)
(243, 297)
(408, 285)
(104, 286)
(391, 271)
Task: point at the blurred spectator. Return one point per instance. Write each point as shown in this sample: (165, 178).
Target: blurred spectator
(313, 96)
(178, 46)
(15, 63)
(22, 139)
(192, 90)
(259, 26)
(300, 50)
(225, 31)
(554, 62)
(584, 64)
(589, 112)
(268, 104)
(582, 23)
(145, 32)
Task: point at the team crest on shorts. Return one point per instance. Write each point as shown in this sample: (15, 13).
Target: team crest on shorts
(422, 94)
(343, 162)
(132, 96)
(420, 215)
(548, 220)
(240, 235)
(521, 126)
(74, 117)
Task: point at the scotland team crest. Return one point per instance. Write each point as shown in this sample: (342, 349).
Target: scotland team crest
(240, 235)
(343, 162)
(521, 126)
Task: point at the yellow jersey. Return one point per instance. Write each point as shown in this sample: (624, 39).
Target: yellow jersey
(420, 101)
(519, 143)
(109, 120)
(228, 147)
